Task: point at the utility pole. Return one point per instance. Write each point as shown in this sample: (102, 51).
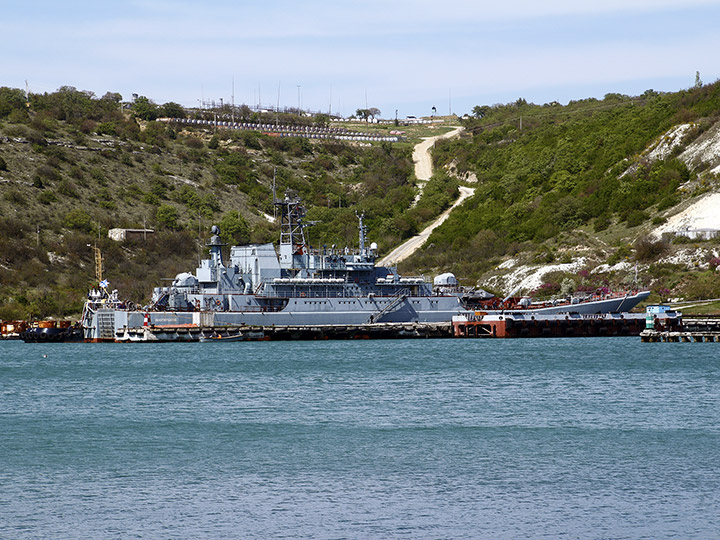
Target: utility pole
(277, 108)
(298, 87)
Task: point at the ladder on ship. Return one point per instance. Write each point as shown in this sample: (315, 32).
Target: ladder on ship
(375, 317)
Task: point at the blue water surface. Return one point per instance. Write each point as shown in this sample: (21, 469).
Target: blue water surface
(600, 438)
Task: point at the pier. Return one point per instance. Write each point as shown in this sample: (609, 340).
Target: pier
(697, 329)
(530, 325)
(192, 332)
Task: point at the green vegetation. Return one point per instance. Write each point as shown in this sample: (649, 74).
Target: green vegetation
(553, 182)
(74, 165)
(551, 177)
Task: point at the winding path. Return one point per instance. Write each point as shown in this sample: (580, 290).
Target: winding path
(423, 172)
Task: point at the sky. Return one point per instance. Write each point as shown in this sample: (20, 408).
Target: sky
(397, 55)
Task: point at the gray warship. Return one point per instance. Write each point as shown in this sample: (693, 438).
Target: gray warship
(299, 286)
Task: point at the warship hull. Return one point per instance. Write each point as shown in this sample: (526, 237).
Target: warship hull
(111, 324)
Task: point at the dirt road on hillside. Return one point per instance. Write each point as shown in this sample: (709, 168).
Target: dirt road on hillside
(423, 172)
(409, 247)
(423, 159)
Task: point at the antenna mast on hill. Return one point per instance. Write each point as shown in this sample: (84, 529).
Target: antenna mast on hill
(274, 196)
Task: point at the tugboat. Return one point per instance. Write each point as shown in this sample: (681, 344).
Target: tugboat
(295, 286)
(52, 332)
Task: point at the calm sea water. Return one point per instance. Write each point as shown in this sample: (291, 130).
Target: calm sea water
(575, 438)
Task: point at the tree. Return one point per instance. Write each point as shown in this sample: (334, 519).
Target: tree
(373, 112)
(234, 229)
(479, 111)
(363, 114)
(11, 99)
(173, 110)
(112, 96)
(167, 216)
(145, 109)
(698, 82)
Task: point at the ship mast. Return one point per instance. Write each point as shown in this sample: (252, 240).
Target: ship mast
(362, 232)
(293, 245)
(292, 231)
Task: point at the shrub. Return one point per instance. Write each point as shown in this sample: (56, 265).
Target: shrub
(65, 187)
(648, 250)
(47, 197)
(14, 196)
(167, 216)
(546, 290)
(633, 218)
(47, 173)
(601, 223)
(78, 220)
(195, 143)
(98, 175)
(3, 164)
(106, 128)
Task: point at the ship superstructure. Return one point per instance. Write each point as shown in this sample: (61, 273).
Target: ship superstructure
(296, 279)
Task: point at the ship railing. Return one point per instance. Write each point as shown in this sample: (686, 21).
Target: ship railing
(377, 292)
(259, 309)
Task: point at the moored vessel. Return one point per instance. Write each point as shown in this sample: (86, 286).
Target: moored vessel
(297, 286)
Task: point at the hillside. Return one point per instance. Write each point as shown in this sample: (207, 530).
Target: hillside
(579, 194)
(73, 166)
(570, 197)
